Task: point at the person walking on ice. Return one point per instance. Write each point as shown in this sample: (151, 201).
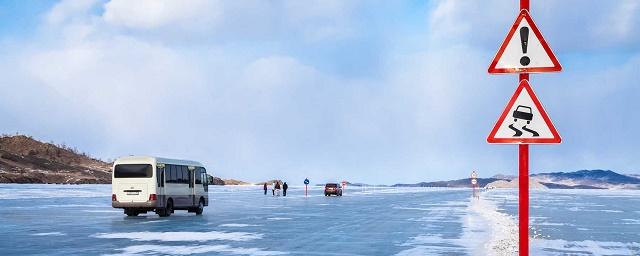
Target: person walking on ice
(284, 189)
(273, 189)
(265, 188)
(277, 188)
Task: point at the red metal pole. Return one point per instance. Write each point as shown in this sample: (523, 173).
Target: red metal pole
(523, 180)
(523, 205)
(524, 4)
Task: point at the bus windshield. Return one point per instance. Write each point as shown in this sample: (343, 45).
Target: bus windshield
(133, 171)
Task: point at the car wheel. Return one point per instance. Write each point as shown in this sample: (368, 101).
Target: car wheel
(200, 208)
(167, 210)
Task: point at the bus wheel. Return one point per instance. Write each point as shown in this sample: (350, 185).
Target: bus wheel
(200, 207)
(131, 212)
(166, 211)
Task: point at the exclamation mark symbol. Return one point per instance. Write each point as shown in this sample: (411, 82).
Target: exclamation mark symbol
(524, 40)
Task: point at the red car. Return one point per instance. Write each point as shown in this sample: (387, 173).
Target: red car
(332, 189)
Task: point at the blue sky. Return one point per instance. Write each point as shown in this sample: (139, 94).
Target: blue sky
(367, 91)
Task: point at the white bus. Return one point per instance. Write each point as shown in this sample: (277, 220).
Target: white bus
(141, 184)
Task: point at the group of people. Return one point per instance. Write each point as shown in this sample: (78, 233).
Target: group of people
(275, 191)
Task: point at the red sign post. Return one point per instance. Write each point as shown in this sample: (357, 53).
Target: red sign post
(523, 187)
(524, 121)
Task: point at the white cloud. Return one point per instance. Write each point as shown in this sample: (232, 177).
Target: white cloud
(312, 20)
(470, 22)
(621, 23)
(69, 11)
(568, 26)
(321, 20)
(156, 14)
(245, 97)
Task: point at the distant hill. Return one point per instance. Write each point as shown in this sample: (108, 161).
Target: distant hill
(504, 177)
(270, 182)
(351, 184)
(360, 184)
(26, 160)
(533, 184)
(561, 186)
(217, 181)
(590, 179)
(461, 183)
(584, 179)
(235, 182)
(223, 182)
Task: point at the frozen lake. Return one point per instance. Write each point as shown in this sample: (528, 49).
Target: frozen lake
(78, 219)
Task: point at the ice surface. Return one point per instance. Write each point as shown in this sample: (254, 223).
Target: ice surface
(49, 234)
(32, 191)
(578, 222)
(588, 247)
(183, 236)
(197, 249)
(278, 218)
(499, 228)
(237, 225)
(79, 220)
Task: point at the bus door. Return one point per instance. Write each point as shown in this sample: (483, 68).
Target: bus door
(192, 190)
(160, 182)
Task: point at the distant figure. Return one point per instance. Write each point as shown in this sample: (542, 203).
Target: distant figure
(277, 188)
(284, 189)
(265, 188)
(273, 190)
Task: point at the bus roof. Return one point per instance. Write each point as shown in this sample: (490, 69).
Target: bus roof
(152, 159)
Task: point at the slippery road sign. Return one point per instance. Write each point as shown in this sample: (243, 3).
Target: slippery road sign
(524, 121)
(524, 50)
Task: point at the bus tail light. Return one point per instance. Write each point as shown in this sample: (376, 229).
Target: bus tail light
(113, 197)
(153, 197)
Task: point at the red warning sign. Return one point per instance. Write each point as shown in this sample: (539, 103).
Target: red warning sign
(524, 50)
(524, 121)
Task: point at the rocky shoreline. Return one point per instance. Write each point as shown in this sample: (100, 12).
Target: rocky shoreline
(25, 160)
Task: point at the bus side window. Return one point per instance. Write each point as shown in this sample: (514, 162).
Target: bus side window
(160, 176)
(198, 175)
(176, 174)
(167, 171)
(172, 174)
(185, 174)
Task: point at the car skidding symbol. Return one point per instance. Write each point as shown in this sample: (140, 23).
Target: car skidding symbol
(524, 113)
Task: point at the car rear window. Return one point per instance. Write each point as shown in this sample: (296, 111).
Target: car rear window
(132, 171)
(332, 185)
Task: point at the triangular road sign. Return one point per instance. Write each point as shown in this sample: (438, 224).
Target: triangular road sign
(524, 50)
(524, 121)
